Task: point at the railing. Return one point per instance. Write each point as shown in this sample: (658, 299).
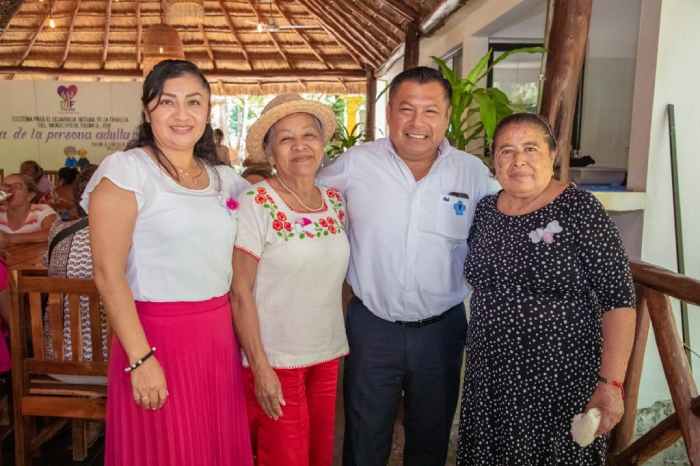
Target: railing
(654, 287)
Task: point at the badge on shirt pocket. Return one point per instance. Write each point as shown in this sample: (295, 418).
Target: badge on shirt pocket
(454, 215)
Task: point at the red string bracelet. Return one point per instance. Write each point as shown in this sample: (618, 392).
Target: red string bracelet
(614, 383)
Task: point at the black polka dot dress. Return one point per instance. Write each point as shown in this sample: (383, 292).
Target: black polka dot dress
(541, 284)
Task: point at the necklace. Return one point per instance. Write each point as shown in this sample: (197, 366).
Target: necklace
(188, 172)
(194, 179)
(310, 209)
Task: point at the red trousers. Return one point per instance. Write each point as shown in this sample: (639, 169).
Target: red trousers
(303, 435)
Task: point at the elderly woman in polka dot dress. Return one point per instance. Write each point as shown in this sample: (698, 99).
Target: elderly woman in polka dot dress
(552, 318)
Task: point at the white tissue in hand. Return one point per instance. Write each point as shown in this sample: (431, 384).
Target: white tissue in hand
(584, 426)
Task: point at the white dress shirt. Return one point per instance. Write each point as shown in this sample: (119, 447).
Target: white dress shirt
(407, 237)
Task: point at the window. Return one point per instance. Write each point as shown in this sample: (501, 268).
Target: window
(453, 58)
(518, 77)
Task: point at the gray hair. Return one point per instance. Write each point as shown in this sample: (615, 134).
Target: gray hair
(270, 135)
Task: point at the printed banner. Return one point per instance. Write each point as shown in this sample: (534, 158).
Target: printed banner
(48, 121)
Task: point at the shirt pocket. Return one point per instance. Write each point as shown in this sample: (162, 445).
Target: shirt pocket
(452, 216)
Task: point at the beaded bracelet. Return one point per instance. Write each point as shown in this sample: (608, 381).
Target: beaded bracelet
(140, 361)
(614, 383)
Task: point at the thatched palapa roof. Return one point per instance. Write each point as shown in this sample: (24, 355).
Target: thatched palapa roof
(244, 46)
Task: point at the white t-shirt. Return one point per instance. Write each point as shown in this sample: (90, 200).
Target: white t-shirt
(303, 259)
(183, 238)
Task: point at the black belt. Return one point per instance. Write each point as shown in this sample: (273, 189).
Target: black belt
(422, 323)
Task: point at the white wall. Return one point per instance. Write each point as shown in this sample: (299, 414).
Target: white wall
(677, 70)
(38, 123)
(609, 81)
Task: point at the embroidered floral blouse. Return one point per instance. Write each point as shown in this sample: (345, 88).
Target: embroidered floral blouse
(303, 260)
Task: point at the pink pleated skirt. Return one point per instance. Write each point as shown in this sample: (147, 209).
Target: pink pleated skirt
(5, 362)
(203, 422)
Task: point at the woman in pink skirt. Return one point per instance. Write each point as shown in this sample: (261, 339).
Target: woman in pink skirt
(162, 222)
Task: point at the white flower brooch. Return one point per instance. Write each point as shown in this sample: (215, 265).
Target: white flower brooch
(547, 233)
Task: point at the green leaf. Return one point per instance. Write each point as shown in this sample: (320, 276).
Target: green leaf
(476, 73)
(487, 110)
(446, 72)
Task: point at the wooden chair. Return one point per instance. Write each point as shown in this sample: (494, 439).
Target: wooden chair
(35, 392)
(53, 176)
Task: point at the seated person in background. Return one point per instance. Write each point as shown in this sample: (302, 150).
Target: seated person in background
(33, 170)
(62, 199)
(69, 256)
(224, 153)
(255, 171)
(21, 221)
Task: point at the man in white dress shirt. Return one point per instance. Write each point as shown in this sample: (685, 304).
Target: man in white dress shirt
(410, 201)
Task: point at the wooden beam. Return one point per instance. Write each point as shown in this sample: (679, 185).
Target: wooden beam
(213, 75)
(36, 34)
(567, 48)
(371, 100)
(400, 7)
(398, 30)
(108, 23)
(205, 39)
(412, 51)
(656, 440)
(139, 33)
(229, 21)
(624, 431)
(302, 36)
(129, 29)
(367, 51)
(358, 57)
(678, 286)
(70, 34)
(347, 21)
(371, 20)
(677, 371)
(270, 35)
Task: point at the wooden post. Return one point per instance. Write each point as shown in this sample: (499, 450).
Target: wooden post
(370, 115)
(412, 50)
(680, 381)
(567, 48)
(624, 431)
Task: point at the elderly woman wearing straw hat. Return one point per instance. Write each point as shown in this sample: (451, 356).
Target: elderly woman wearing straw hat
(291, 257)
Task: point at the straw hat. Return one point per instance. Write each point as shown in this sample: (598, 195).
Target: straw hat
(281, 106)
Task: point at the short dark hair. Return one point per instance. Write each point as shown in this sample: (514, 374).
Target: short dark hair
(420, 75)
(526, 118)
(204, 149)
(67, 174)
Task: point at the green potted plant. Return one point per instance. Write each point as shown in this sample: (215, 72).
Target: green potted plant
(476, 109)
(344, 139)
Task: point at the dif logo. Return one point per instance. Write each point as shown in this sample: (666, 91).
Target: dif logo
(67, 94)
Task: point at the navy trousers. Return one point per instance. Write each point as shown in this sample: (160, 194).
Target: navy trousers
(388, 360)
